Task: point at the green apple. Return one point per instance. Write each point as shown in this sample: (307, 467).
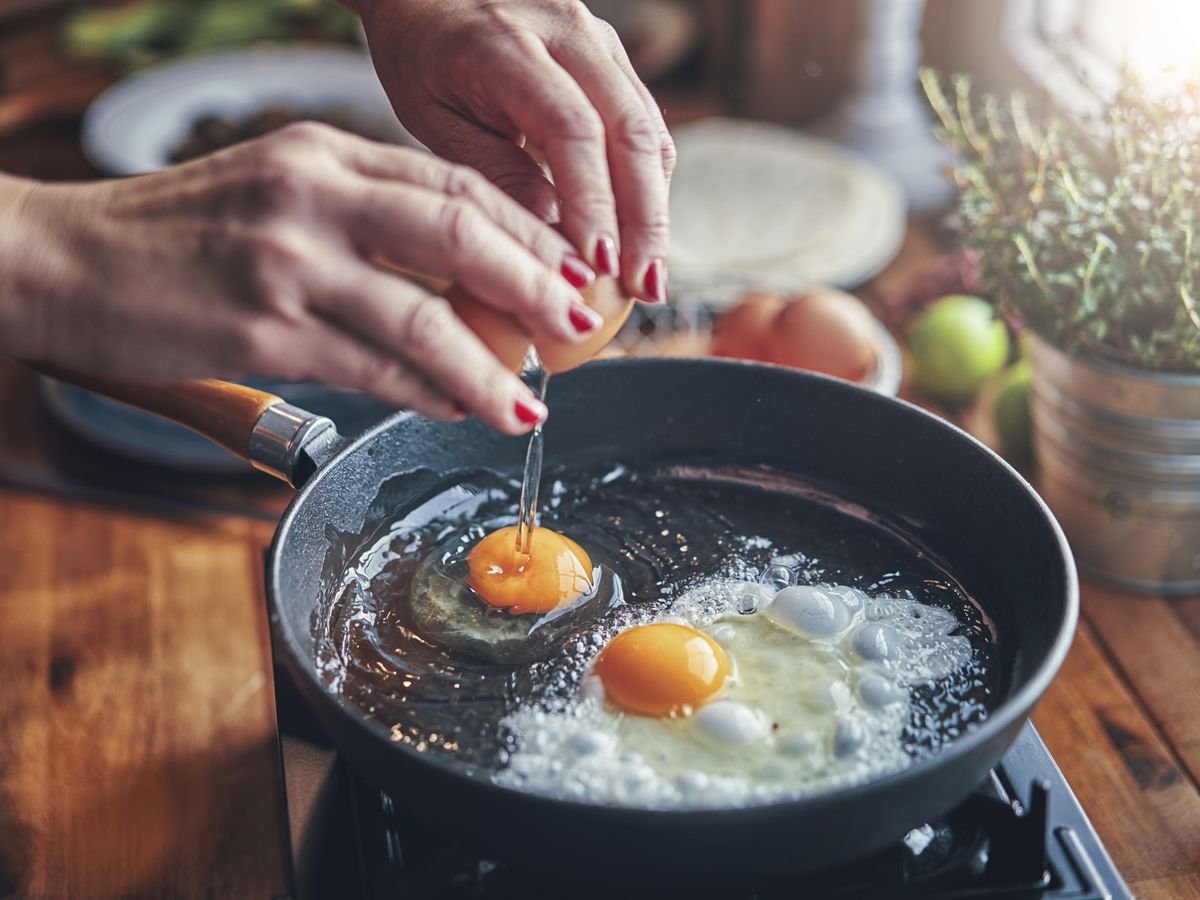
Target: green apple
(957, 344)
(1010, 411)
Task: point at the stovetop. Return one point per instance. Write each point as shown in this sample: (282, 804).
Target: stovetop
(1021, 834)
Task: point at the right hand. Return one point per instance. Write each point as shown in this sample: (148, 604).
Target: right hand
(257, 260)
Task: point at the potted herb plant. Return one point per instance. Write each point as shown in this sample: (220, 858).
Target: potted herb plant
(1086, 230)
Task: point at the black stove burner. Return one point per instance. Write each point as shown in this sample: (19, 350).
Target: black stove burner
(350, 841)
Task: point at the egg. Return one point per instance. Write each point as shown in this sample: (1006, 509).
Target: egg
(474, 594)
(662, 669)
(824, 331)
(554, 573)
(509, 340)
(807, 692)
(742, 332)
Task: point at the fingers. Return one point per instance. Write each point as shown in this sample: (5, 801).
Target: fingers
(420, 332)
(346, 361)
(456, 238)
(553, 111)
(639, 153)
(502, 162)
(506, 164)
(621, 58)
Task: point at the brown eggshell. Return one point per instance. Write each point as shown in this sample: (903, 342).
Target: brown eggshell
(509, 340)
(606, 297)
(502, 334)
(742, 331)
(824, 331)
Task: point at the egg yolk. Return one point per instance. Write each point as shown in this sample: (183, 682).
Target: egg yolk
(661, 669)
(555, 572)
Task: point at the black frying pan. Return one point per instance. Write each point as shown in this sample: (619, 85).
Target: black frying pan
(949, 492)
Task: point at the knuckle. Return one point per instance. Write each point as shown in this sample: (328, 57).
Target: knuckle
(277, 180)
(635, 132)
(502, 25)
(575, 12)
(306, 132)
(275, 260)
(462, 227)
(542, 296)
(375, 370)
(608, 34)
(578, 122)
(428, 325)
(669, 155)
(466, 183)
(655, 226)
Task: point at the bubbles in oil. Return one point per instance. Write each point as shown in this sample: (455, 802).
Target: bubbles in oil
(652, 535)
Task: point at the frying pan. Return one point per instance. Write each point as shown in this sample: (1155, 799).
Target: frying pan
(947, 491)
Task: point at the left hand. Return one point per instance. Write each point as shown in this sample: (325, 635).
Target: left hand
(473, 79)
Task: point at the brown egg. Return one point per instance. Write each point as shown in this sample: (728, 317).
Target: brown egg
(742, 332)
(509, 340)
(824, 330)
(606, 297)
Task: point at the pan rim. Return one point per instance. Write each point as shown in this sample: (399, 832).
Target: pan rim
(1012, 711)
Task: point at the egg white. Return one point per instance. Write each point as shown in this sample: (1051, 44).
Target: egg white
(819, 699)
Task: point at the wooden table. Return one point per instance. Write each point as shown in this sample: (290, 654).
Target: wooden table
(137, 728)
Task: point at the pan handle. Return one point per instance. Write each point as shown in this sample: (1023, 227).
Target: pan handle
(273, 436)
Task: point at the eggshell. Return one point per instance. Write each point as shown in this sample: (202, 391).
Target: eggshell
(825, 331)
(509, 340)
(742, 331)
(607, 298)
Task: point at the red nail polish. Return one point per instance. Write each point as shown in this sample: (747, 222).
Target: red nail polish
(606, 256)
(577, 273)
(583, 319)
(530, 411)
(655, 281)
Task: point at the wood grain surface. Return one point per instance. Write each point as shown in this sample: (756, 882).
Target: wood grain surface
(137, 731)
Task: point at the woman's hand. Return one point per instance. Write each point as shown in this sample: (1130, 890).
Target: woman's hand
(473, 79)
(258, 261)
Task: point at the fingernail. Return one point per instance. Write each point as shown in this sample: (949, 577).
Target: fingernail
(584, 318)
(655, 281)
(530, 411)
(606, 256)
(578, 273)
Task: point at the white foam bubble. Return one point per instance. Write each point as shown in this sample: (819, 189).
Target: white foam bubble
(821, 700)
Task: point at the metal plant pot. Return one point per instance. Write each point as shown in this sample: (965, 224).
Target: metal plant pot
(1118, 453)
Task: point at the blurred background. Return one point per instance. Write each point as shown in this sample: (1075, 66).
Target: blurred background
(809, 166)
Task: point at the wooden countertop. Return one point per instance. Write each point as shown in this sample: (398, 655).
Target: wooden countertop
(137, 728)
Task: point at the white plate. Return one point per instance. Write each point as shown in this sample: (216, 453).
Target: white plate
(134, 125)
(760, 207)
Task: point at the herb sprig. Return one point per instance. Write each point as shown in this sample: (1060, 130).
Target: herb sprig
(1087, 230)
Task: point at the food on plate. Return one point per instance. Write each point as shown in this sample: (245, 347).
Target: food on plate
(555, 572)
(957, 344)
(739, 694)
(821, 330)
(213, 132)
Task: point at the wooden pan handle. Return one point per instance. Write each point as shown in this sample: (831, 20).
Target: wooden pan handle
(223, 412)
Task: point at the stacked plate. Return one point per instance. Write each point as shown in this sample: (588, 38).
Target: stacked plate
(760, 207)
